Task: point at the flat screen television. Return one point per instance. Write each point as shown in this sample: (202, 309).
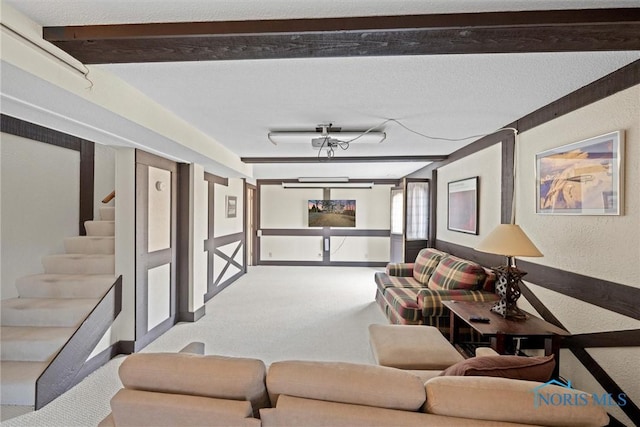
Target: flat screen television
(332, 213)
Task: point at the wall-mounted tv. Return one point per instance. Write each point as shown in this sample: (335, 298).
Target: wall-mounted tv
(332, 213)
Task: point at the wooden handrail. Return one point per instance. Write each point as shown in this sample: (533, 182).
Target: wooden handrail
(109, 197)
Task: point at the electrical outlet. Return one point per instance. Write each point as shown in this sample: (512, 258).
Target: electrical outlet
(270, 255)
(319, 255)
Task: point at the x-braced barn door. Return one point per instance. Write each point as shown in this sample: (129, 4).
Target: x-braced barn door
(156, 226)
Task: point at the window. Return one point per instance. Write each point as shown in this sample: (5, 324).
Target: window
(417, 210)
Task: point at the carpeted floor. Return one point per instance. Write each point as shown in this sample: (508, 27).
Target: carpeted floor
(271, 313)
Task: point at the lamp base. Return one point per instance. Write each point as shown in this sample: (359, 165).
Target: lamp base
(508, 288)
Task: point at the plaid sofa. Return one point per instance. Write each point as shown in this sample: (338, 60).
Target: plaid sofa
(412, 293)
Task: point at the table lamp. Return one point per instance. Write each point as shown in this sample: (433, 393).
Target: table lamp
(508, 240)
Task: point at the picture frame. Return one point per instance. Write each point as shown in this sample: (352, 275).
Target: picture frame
(232, 206)
(462, 205)
(582, 178)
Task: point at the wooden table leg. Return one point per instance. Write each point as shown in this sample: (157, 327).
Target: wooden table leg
(552, 346)
(453, 327)
(498, 343)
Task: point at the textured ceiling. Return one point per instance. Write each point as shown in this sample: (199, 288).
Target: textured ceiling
(84, 12)
(238, 102)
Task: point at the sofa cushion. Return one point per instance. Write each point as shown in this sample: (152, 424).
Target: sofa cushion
(384, 281)
(404, 301)
(426, 263)
(295, 411)
(539, 368)
(210, 376)
(411, 347)
(346, 382)
(502, 399)
(457, 273)
(144, 408)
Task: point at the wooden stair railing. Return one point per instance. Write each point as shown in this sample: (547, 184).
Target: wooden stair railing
(109, 197)
(62, 372)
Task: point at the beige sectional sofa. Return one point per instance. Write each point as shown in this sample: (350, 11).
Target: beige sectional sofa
(174, 389)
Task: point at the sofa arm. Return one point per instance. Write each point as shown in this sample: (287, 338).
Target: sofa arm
(509, 400)
(431, 299)
(401, 269)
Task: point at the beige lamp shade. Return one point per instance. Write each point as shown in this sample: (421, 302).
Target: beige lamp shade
(509, 240)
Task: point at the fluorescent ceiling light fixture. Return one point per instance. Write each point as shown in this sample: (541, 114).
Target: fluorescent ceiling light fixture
(320, 179)
(296, 137)
(327, 185)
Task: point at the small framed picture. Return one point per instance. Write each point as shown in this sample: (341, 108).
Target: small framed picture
(582, 178)
(462, 197)
(232, 206)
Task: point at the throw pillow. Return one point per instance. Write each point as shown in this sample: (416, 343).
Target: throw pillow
(457, 273)
(538, 368)
(426, 262)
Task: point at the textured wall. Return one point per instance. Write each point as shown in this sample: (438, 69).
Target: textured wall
(40, 202)
(606, 247)
(486, 165)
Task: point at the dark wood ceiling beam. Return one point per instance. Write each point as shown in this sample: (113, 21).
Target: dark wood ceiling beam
(494, 32)
(343, 159)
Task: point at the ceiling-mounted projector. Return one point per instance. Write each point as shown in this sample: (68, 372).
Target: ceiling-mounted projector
(325, 142)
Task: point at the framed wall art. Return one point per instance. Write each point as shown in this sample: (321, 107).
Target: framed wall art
(232, 206)
(462, 203)
(582, 178)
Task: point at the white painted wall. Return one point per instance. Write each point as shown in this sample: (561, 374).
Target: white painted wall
(486, 165)
(606, 247)
(223, 225)
(40, 203)
(286, 208)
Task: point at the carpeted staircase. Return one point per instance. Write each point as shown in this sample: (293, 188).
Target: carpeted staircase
(51, 306)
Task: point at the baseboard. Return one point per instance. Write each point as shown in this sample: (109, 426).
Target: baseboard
(192, 316)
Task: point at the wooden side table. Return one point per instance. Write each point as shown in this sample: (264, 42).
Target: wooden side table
(502, 332)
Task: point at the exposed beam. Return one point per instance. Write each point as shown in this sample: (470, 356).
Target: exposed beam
(466, 33)
(324, 159)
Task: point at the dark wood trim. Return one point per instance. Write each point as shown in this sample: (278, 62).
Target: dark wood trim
(345, 159)
(482, 258)
(215, 179)
(433, 206)
(322, 232)
(63, 371)
(24, 129)
(183, 261)
(437, 34)
(224, 240)
(148, 159)
(222, 286)
(617, 81)
(192, 316)
(625, 338)
(87, 167)
(508, 180)
(612, 296)
(376, 181)
(38, 133)
(125, 347)
(154, 333)
(594, 368)
(323, 264)
(230, 262)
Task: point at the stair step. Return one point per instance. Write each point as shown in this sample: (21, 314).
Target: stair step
(64, 285)
(79, 264)
(107, 213)
(100, 228)
(32, 344)
(55, 312)
(90, 245)
(19, 382)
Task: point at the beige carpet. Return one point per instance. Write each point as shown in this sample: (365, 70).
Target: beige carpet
(271, 313)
